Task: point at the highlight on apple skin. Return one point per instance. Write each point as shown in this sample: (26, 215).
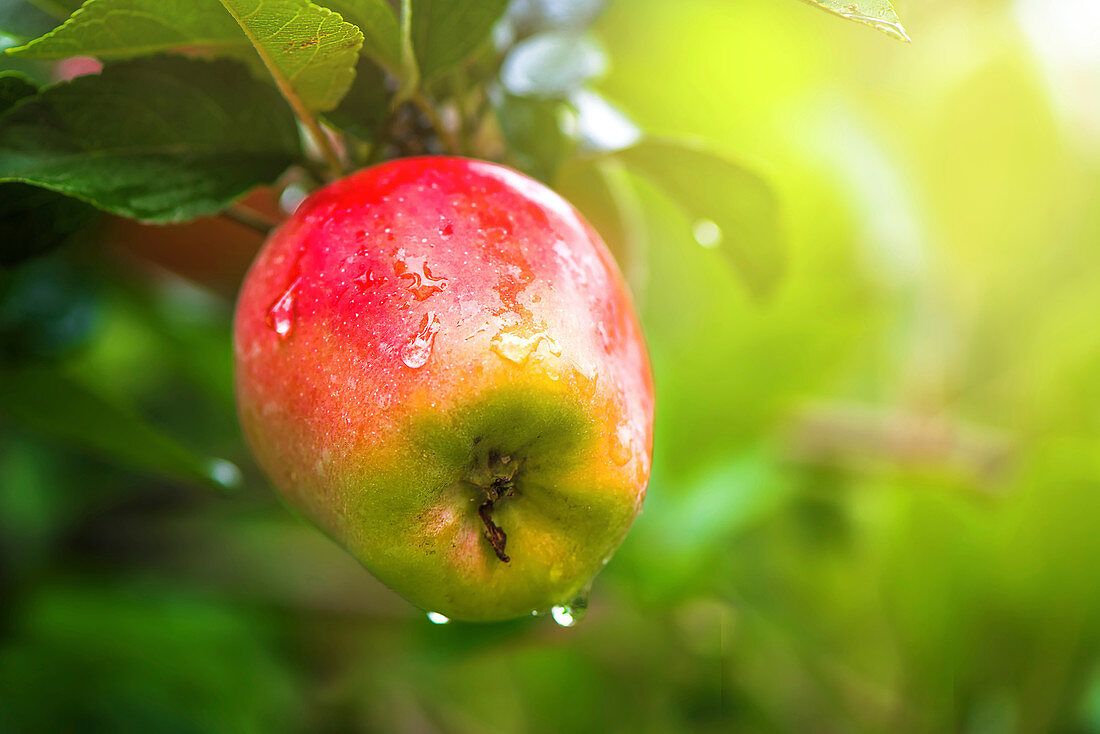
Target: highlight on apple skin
(438, 363)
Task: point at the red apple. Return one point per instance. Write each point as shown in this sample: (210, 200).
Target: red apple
(438, 363)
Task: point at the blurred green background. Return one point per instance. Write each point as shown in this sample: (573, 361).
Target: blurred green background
(876, 495)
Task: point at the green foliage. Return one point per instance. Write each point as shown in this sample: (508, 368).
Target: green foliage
(444, 32)
(50, 403)
(309, 50)
(21, 19)
(160, 139)
(731, 208)
(32, 221)
(125, 28)
(381, 32)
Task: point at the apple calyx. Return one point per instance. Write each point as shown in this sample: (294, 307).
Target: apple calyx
(495, 480)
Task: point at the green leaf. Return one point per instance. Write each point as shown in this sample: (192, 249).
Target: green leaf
(32, 221)
(14, 87)
(49, 402)
(365, 105)
(381, 31)
(59, 9)
(309, 50)
(111, 29)
(732, 208)
(552, 65)
(878, 14)
(162, 140)
(533, 130)
(444, 32)
(23, 20)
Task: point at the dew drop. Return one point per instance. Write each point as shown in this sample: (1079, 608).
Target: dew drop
(280, 317)
(437, 618)
(707, 233)
(417, 276)
(571, 614)
(225, 473)
(518, 348)
(415, 354)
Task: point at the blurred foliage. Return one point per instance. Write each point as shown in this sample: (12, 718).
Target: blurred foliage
(875, 493)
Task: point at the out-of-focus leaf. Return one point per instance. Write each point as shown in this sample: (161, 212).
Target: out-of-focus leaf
(130, 656)
(533, 130)
(48, 309)
(732, 208)
(444, 32)
(605, 196)
(365, 105)
(163, 139)
(879, 14)
(601, 127)
(48, 402)
(552, 65)
(32, 220)
(14, 87)
(58, 8)
(381, 31)
(20, 19)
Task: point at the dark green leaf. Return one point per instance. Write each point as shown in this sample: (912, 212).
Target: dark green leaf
(162, 140)
(32, 220)
(731, 207)
(444, 32)
(879, 14)
(381, 31)
(365, 105)
(534, 132)
(48, 402)
(21, 19)
(48, 308)
(552, 65)
(14, 87)
(60, 9)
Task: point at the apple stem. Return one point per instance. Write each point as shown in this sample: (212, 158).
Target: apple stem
(493, 532)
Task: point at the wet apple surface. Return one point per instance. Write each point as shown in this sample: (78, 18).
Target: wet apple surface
(439, 364)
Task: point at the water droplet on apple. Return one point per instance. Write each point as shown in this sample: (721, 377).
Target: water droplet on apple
(415, 354)
(707, 233)
(437, 618)
(571, 614)
(416, 275)
(280, 317)
(518, 348)
(620, 446)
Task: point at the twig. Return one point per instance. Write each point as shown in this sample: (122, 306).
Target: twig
(446, 136)
(248, 217)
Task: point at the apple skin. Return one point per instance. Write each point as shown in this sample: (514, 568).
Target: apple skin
(431, 334)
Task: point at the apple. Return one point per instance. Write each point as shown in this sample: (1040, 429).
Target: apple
(438, 363)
